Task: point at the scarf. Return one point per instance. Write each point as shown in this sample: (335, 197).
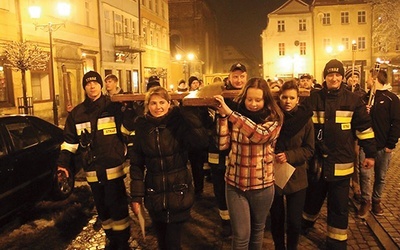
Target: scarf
(293, 122)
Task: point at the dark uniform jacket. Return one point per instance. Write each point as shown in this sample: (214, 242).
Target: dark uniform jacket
(160, 146)
(93, 129)
(296, 140)
(339, 118)
(385, 114)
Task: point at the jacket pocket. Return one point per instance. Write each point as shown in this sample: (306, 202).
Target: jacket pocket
(178, 195)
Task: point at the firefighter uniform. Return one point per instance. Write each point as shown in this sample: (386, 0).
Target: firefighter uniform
(93, 129)
(339, 119)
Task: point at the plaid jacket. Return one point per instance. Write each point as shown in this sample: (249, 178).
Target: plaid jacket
(250, 161)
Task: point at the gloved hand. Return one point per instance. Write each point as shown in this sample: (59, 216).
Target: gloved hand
(86, 139)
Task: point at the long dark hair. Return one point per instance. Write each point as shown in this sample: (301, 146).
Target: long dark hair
(270, 105)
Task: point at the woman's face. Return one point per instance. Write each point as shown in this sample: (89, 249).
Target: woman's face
(158, 106)
(254, 99)
(289, 99)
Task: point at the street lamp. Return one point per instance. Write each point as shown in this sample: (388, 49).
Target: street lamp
(187, 62)
(63, 9)
(190, 58)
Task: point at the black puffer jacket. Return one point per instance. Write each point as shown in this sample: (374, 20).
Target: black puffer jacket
(160, 145)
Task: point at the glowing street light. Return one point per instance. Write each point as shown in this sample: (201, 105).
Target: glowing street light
(63, 10)
(189, 58)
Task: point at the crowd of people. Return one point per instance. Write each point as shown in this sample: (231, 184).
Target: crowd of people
(337, 138)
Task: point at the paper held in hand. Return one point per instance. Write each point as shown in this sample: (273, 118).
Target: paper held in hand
(283, 172)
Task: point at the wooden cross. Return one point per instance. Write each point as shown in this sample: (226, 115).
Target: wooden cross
(203, 97)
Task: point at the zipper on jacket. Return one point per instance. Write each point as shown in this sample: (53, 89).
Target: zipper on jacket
(162, 169)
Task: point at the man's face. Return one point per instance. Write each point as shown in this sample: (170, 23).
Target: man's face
(370, 81)
(111, 85)
(93, 90)
(333, 80)
(305, 83)
(238, 78)
(353, 80)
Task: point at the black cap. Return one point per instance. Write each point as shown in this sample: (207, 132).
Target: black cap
(238, 66)
(91, 76)
(308, 76)
(334, 66)
(154, 79)
(192, 79)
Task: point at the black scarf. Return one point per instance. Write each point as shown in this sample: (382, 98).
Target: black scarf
(258, 117)
(293, 122)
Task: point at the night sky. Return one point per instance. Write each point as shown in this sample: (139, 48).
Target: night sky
(241, 22)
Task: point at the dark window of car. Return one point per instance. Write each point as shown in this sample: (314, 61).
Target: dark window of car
(23, 135)
(3, 150)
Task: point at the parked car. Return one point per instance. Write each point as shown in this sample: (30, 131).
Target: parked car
(29, 148)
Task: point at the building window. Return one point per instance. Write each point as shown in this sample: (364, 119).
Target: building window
(302, 25)
(303, 47)
(151, 4)
(156, 6)
(87, 13)
(361, 43)
(133, 29)
(118, 24)
(344, 17)
(144, 33)
(345, 43)
(157, 40)
(163, 10)
(397, 47)
(126, 27)
(6, 88)
(362, 17)
(40, 86)
(281, 25)
(281, 49)
(326, 19)
(107, 22)
(327, 42)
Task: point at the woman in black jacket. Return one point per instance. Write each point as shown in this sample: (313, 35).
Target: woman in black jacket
(295, 145)
(160, 146)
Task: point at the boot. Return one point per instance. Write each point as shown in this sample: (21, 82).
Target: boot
(226, 228)
(364, 209)
(111, 243)
(376, 208)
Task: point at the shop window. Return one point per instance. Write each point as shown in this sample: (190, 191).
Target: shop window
(6, 87)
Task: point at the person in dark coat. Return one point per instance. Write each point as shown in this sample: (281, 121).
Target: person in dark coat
(295, 145)
(160, 148)
(93, 132)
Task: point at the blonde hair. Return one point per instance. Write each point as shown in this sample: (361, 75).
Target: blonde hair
(160, 91)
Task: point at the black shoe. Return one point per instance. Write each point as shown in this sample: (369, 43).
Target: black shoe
(97, 224)
(226, 228)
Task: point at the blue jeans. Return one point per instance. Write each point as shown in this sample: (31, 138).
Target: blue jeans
(382, 161)
(248, 211)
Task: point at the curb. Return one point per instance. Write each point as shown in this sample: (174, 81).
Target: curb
(383, 237)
